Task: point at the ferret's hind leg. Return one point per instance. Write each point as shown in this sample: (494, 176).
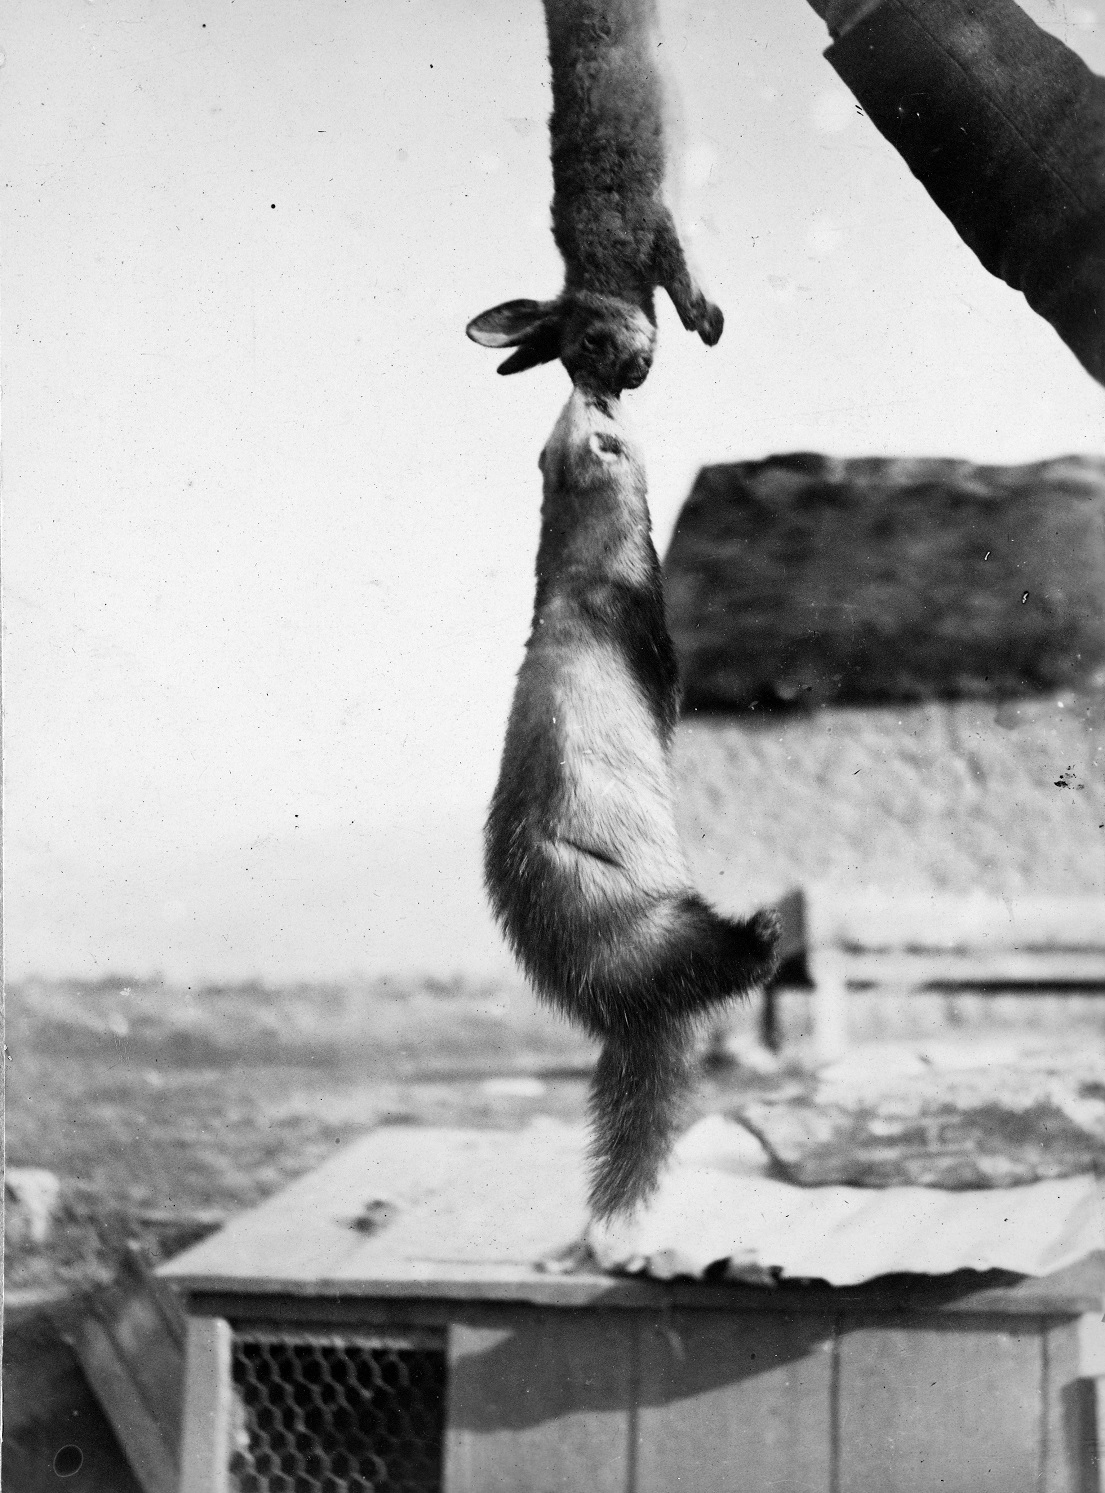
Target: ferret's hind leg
(695, 312)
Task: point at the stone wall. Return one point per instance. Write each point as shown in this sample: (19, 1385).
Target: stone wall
(948, 796)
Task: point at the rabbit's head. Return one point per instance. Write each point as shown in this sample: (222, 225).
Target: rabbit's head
(606, 344)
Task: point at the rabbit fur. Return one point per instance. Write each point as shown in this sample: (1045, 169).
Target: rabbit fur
(614, 231)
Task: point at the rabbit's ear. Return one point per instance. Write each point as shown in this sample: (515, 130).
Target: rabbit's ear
(542, 347)
(512, 323)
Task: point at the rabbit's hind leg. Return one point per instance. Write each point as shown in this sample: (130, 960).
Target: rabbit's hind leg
(695, 312)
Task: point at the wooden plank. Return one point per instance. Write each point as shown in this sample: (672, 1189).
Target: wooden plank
(1051, 968)
(792, 953)
(117, 1388)
(1070, 1426)
(453, 1196)
(828, 968)
(889, 944)
(539, 1402)
(48, 1406)
(1097, 1451)
(735, 1402)
(1077, 1289)
(494, 1256)
(926, 1408)
(146, 1329)
(494, 1197)
(208, 1407)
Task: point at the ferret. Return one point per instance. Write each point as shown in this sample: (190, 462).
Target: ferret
(582, 862)
(617, 237)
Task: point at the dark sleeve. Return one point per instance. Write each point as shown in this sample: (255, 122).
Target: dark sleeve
(1005, 128)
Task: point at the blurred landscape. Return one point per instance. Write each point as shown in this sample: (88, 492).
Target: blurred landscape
(163, 1109)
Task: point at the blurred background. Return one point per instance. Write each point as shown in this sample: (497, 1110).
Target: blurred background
(270, 519)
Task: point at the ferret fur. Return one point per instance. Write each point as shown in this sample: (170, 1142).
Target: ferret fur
(582, 861)
(616, 235)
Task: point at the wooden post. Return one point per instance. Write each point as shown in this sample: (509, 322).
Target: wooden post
(208, 1404)
(830, 1003)
(793, 949)
(1091, 1365)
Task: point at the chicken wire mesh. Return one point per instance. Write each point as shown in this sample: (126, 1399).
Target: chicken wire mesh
(348, 1413)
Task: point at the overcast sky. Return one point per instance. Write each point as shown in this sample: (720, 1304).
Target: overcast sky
(270, 519)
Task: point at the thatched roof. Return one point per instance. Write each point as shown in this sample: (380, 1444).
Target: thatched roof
(805, 579)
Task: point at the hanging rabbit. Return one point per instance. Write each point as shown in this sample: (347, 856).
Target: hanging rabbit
(615, 233)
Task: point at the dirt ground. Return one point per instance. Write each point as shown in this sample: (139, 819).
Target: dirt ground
(158, 1127)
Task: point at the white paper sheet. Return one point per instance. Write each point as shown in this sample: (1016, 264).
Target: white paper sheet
(715, 1203)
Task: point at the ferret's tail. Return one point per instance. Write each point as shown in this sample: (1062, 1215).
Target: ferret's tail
(648, 1061)
(638, 1093)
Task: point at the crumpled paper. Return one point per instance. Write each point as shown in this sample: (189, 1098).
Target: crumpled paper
(716, 1203)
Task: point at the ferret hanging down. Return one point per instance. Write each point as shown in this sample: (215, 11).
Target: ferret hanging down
(582, 861)
(611, 225)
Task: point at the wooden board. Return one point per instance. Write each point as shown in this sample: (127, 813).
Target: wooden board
(735, 1402)
(433, 1299)
(48, 1405)
(954, 1406)
(539, 1395)
(893, 945)
(1070, 1419)
(1032, 969)
(130, 1345)
(640, 1385)
(209, 1407)
(451, 1199)
(896, 943)
(484, 1207)
(119, 1391)
(647, 1401)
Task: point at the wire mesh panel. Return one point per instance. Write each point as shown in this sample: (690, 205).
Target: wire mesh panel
(337, 1413)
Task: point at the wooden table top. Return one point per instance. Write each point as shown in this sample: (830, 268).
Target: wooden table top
(468, 1215)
